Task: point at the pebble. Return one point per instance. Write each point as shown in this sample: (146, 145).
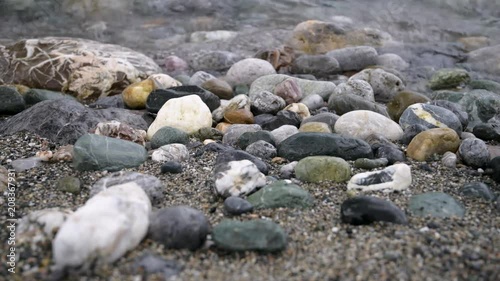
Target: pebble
(152, 186)
(433, 141)
(317, 65)
(449, 78)
(362, 210)
(322, 168)
(255, 235)
(449, 159)
(219, 87)
(289, 90)
(188, 114)
(262, 149)
(301, 145)
(487, 131)
(281, 194)
(325, 117)
(149, 264)
(207, 60)
(318, 127)
(158, 98)
(174, 65)
(246, 71)
(411, 131)
(108, 225)
(236, 206)
(237, 178)
(362, 123)
(343, 104)
(478, 190)
(234, 132)
(239, 116)
(267, 102)
(385, 85)
(393, 178)
(355, 87)
(171, 167)
(435, 204)
(171, 152)
(200, 77)
(179, 227)
(474, 152)
(248, 138)
(208, 133)
(288, 171)
(69, 184)
(168, 135)
(20, 165)
(119, 130)
(107, 153)
(370, 164)
(284, 117)
(430, 116)
(282, 133)
(354, 58)
(313, 102)
(228, 155)
(299, 108)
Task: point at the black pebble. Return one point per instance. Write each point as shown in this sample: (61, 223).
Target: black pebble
(235, 205)
(171, 167)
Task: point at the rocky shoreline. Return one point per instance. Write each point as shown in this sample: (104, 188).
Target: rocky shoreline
(339, 155)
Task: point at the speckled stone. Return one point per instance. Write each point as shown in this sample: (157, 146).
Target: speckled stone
(478, 190)
(323, 168)
(435, 204)
(449, 78)
(281, 194)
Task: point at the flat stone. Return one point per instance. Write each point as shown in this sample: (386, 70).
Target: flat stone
(436, 204)
(478, 190)
(256, 235)
(94, 152)
(171, 167)
(343, 104)
(281, 194)
(354, 58)
(236, 206)
(301, 145)
(317, 65)
(179, 227)
(362, 210)
(323, 168)
(34, 96)
(370, 164)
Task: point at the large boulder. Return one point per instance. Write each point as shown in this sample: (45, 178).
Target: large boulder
(83, 68)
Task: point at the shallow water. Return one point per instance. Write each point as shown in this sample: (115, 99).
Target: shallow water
(134, 23)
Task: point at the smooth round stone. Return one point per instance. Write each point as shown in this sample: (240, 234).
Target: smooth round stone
(313, 102)
(219, 87)
(256, 235)
(239, 116)
(301, 145)
(430, 116)
(401, 101)
(288, 171)
(433, 141)
(171, 152)
(281, 194)
(284, 117)
(229, 155)
(171, 167)
(69, 184)
(342, 104)
(208, 133)
(200, 77)
(283, 132)
(157, 99)
(362, 210)
(362, 123)
(317, 65)
(370, 164)
(237, 178)
(174, 65)
(391, 153)
(411, 131)
(354, 58)
(250, 137)
(495, 166)
(234, 132)
(236, 206)
(248, 70)
(318, 127)
(267, 102)
(392, 61)
(324, 117)
(167, 135)
(455, 108)
(136, 94)
(359, 88)
(323, 168)
(299, 108)
(212, 60)
(179, 227)
(223, 127)
(385, 85)
(289, 90)
(487, 131)
(474, 152)
(449, 159)
(34, 96)
(12, 101)
(478, 190)
(152, 186)
(449, 78)
(436, 204)
(188, 114)
(107, 153)
(262, 149)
